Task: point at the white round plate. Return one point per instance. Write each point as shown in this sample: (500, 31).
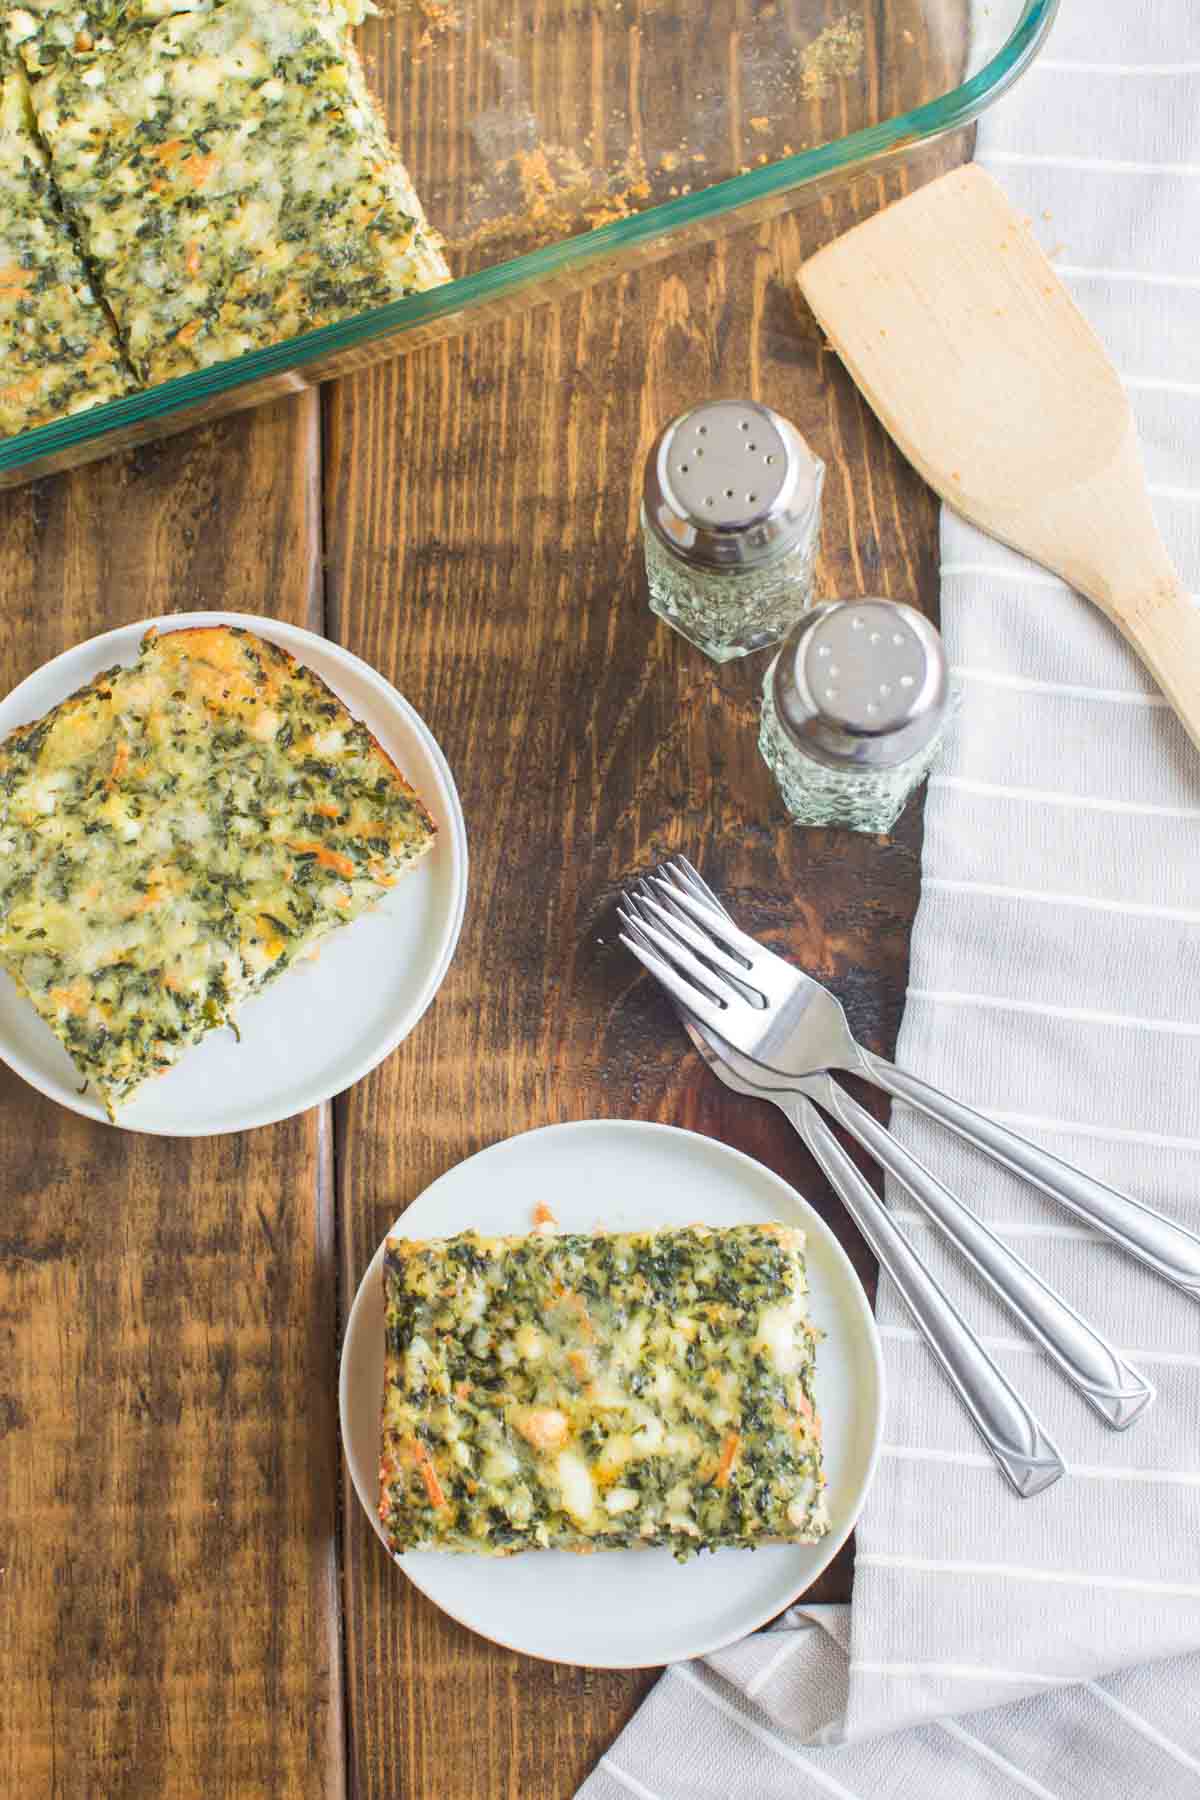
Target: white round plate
(624, 1609)
(329, 1021)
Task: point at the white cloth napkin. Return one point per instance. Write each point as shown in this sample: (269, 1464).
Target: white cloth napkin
(998, 1647)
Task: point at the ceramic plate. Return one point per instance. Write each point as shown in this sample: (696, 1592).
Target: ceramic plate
(628, 1608)
(327, 1022)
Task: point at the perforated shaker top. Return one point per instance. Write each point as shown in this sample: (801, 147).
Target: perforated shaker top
(731, 484)
(862, 683)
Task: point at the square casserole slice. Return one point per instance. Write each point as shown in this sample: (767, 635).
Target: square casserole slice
(232, 183)
(177, 834)
(58, 351)
(594, 1393)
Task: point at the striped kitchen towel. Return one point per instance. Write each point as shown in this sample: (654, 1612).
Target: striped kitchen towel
(998, 1647)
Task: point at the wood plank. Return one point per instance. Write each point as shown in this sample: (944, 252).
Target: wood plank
(167, 1480)
(482, 552)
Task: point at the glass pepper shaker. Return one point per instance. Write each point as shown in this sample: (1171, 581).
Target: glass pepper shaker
(853, 711)
(731, 508)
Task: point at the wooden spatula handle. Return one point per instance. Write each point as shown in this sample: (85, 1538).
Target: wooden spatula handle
(1100, 534)
(1162, 622)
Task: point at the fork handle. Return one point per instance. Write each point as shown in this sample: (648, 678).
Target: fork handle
(1167, 1248)
(1025, 1454)
(1090, 1363)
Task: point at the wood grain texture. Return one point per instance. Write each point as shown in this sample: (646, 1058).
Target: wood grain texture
(481, 547)
(169, 1572)
(524, 122)
(167, 1482)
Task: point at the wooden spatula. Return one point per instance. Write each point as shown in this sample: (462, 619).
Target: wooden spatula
(964, 341)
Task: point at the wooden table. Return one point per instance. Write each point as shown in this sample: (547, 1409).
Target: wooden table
(194, 1602)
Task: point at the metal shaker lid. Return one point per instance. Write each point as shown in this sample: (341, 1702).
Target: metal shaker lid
(862, 684)
(731, 485)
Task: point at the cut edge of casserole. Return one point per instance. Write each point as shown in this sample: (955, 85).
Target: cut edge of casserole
(613, 1391)
(58, 351)
(179, 832)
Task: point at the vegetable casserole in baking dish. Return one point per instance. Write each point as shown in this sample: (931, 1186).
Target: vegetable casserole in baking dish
(552, 144)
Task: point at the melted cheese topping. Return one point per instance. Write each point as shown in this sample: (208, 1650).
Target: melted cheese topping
(232, 181)
(172, 838)
(596, 1392)
(58, 352)
(42, 32)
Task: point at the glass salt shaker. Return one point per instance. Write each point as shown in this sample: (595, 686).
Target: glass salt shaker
(731, 510)
(854, 708)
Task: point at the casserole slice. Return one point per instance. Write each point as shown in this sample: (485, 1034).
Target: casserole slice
(232, 183)
(600, 1392)
(178, 834)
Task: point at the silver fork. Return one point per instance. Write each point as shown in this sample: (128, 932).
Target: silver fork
(1093, 1366)
(780, 1017)
(1023, 1451)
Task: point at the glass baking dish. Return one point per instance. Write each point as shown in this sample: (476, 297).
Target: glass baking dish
(556, 142)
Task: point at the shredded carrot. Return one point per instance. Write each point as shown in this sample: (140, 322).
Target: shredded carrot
(189, 331)
(24, 389)
(167, 153)
(804, 1407)
(578, 1305)
(581, 1364)
(199, 168)
(463, 1389)
(433, 1486)
(328, 859)
(15, 280)
(71, 999)
(120, 763)
(729, 1450)
(424, 1461)
(328, 809)
(542, 1215)
(192, 265)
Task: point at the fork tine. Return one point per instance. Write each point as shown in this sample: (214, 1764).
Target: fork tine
(696, 972)
(713, 919)
(642, 896)
(680, 867)
(681, 991)
(668, 897)
(679, 926)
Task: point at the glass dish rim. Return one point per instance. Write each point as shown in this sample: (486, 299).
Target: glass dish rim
(956, 108)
